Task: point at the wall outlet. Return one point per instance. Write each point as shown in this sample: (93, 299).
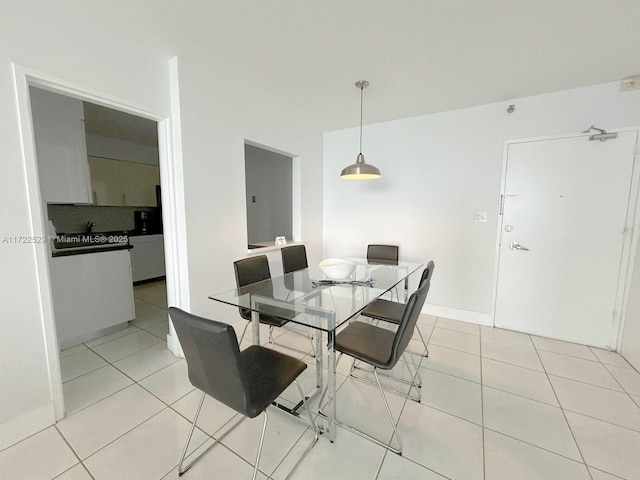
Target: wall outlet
(630, 83)
(480, 216)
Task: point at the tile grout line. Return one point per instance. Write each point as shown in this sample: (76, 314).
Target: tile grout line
(80, 462)
(622, 390)
(170, 406)
(55, 425)
(135, 427)
(628, 367)
(618, 382)
(484, 448)
(422, 359)
(91, 349)
(386, 452)
(134, 383)
(564, 414)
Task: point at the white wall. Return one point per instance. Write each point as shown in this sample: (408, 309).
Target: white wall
(218, 114)
(437, 171)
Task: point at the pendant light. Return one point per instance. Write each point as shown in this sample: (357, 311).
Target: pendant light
(360, 170)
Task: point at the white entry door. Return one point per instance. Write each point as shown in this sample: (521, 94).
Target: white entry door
(565, 214)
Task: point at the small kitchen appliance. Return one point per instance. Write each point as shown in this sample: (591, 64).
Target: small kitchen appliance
(141, 219)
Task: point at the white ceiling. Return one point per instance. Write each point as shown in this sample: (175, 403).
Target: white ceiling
(421, 56)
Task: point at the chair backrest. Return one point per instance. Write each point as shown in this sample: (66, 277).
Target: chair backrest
(427, 273)
(213, 358)
(293, 258)
(384, 253)
(251, 270)
(408, 323)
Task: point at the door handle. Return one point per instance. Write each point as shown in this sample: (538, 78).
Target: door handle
(517, 246)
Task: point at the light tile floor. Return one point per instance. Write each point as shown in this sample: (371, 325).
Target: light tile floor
(495, 405)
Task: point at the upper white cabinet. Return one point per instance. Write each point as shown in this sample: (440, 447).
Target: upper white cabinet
(116, 182)
(58, 125)
(105, 182)
(138, 181)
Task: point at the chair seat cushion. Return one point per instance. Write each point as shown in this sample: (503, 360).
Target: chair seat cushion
(384, 310)
(368, 343)
(268, 373)
(274, 316)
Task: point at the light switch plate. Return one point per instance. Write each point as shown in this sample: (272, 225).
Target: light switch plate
(480, 216)
(630, 83)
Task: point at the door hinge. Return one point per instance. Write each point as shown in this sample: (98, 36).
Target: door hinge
(501, 208)
(614, 316)
(627, 231)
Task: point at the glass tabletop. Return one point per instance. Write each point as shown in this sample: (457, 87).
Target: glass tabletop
(309, 298)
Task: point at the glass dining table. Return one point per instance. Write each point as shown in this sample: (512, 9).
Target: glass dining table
(307, 297)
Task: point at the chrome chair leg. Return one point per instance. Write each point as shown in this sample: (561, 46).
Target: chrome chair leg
(391, 419)
(181, 471)
(392, 390)
(273, 345)
(414, 384)
(426, 349)
(243, 332)
(264, 429)
(313, 347)
(418, 383)
(366, 435)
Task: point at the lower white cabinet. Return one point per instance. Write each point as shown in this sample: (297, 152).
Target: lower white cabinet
(147, 257)
(91, 292)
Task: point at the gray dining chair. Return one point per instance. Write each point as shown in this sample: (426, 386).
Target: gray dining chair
(382, 348)
(294, 258)
(388, 311)
(247, 381)
(251, 271)
(382, 253)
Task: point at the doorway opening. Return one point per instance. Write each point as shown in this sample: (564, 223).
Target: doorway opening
(269, 182)
(42, 203)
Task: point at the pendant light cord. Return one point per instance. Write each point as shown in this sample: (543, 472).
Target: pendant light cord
(361, 97)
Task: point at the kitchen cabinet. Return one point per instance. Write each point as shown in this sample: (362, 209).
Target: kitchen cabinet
(117, 182)
(105, 182)
(91, 292)
(138, 182)
(147, 257)
(61, 151)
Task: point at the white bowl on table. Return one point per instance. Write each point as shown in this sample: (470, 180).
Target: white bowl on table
(337, 268)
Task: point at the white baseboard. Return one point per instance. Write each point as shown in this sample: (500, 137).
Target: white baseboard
(458, 314)
(26, 424)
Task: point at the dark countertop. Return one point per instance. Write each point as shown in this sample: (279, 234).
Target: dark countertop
(135, 233)
(65, 244)
(92, 249)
